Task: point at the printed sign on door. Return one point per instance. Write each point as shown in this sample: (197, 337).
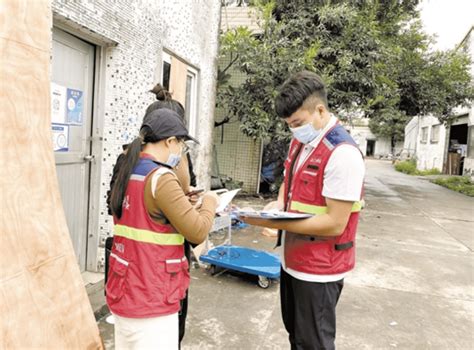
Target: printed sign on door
(74, 106)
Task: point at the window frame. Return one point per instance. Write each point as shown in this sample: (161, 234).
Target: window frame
(165, 58)
(424, 136)
(192, 108)
(438, 128)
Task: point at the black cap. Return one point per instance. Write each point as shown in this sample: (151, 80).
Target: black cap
(166, 123)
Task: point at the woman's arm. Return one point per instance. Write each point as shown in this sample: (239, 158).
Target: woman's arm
(170, 200)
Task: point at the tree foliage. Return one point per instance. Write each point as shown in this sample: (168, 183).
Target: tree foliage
(373, 56)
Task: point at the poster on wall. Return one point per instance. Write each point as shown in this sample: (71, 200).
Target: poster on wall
(58, 103)
(74, 106)
(60, 137)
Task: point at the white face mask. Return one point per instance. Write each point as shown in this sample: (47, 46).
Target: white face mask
(305, 133)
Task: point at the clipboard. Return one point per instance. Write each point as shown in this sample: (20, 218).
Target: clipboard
(271, 215)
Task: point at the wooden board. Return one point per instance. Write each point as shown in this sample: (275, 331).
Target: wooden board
(178, 75)
(43, 302)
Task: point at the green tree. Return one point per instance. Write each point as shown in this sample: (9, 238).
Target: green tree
(373, 56)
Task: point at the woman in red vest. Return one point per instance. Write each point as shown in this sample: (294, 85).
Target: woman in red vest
(148, 273)
(184, 172)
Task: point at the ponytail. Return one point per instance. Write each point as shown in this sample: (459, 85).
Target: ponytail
(120, 187)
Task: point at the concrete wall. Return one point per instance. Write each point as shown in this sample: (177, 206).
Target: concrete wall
(134, 35)
(411, 138)
(431, 154)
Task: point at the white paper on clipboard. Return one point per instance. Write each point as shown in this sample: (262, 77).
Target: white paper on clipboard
(225, 199)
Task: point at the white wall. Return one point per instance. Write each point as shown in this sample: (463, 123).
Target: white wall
(431, 155)
(191, 31)
(134, 35)
(360, 131)
(411, 137)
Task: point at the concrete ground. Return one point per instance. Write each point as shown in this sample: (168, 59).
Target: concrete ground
(412, 287)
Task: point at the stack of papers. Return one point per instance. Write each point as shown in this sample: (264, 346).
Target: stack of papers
(271, 214)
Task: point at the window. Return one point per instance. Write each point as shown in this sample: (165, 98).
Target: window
(166, 71)
(181, 80)
(435, 133)
(424, 134)
(191, 100)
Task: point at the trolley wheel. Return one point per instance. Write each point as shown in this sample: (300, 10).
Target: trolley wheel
(264, 282)
(212, 269)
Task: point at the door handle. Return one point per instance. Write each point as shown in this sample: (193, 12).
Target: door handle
(89, 158)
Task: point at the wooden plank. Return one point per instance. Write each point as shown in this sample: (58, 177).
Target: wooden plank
(178, 75)
(20, 21)
(43, 301)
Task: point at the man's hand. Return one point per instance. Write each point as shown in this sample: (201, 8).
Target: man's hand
(331, 223)
(258, 222)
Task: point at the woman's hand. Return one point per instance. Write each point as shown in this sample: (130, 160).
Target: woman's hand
(214, 195)
(194, 195)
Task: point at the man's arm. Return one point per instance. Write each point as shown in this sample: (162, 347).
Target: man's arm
(281, 197)
(331, 223)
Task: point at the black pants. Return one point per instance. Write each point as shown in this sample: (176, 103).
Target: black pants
(309, 312)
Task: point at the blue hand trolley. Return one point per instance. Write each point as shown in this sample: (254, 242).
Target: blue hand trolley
(247, 260)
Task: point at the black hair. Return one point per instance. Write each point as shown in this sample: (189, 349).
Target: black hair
(165, 100)
(298, 90)
(130, 161)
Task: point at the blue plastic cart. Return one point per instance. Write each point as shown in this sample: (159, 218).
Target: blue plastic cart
(247, 260)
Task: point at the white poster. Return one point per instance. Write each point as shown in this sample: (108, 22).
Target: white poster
(58, 103)
(60, 137)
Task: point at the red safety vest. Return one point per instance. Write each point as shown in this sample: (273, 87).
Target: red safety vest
(148, 273)
(311, 254)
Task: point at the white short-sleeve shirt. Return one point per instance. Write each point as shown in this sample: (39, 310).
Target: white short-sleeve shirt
(343, 180)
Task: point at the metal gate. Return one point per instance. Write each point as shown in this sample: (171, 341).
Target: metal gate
(71, 120)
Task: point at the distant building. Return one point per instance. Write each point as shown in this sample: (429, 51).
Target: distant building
(448, 149)
(369, 144)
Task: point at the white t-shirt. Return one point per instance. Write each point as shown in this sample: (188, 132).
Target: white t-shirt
(343, 179)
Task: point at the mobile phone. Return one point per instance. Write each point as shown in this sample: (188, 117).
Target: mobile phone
(192, 193)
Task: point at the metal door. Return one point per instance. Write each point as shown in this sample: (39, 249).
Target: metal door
(71, 94)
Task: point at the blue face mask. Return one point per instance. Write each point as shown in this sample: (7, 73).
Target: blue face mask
(173, 160)
(305, 133)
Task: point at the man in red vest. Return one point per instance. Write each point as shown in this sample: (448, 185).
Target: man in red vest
(324, 174)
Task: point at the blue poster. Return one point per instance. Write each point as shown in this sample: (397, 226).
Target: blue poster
(60, 137)
(74, 106)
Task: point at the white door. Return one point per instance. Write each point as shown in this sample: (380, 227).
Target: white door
(71, 94)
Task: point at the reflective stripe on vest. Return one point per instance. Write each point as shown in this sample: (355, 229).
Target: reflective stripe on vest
(317, 210)
(148, 236)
